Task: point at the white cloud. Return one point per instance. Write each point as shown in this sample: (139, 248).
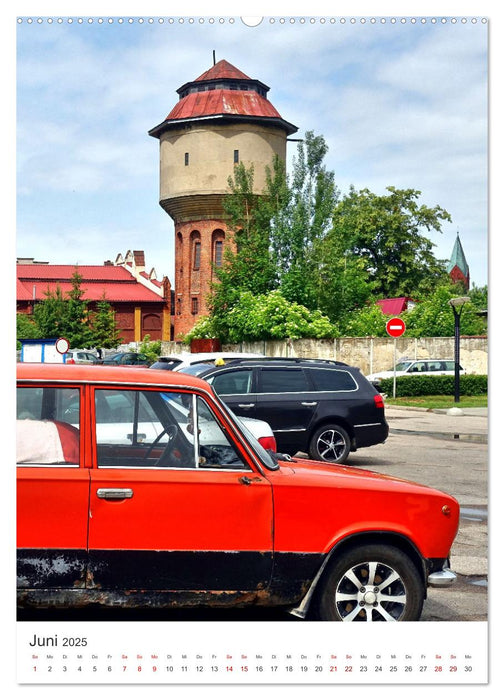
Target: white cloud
(401, 105)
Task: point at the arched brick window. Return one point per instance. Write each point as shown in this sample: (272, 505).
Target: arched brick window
(218, 238)
(195, 250)
(195, 261)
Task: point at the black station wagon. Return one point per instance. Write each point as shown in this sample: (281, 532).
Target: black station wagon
(324, 408)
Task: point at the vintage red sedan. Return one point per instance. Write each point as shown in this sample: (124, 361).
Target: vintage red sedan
(137, 487)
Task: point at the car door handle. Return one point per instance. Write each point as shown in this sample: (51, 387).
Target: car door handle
(114, 494)
(308, 403)
(246, 405)
(247, 480)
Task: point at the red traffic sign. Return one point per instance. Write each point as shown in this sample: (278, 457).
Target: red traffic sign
(395, 327)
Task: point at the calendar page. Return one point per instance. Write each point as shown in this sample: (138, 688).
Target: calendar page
(283, 188)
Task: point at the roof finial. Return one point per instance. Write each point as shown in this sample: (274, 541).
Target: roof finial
(213, 57)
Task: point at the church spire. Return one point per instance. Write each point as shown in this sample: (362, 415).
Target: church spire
(458, 269)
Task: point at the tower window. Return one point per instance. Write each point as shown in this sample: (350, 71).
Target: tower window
(197, 255)
(219, 245)
(186, 158)
(236, 157)
(194, 305)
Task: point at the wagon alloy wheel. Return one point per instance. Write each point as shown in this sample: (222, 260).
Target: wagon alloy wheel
(330, 443)
(372, 584)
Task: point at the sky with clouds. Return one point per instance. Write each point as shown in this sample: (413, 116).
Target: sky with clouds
(399, 103)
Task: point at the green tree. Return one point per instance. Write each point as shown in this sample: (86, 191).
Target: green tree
(479, 297)
(433, 317)
(77, 329)
(303, 221)
(50, 314)
(26, 328)
(364, 322)
(69, 316)
(341, 281)
(250, 266)
(103, 325)
(387, 233)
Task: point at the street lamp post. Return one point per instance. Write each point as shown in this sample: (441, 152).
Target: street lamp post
(457, 305)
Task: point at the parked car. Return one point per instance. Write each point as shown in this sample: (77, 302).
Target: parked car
(126, 358)
(81, 357)
(320, 407)
(260, 429)
(186, 359)
(110, 515)
(407, 367)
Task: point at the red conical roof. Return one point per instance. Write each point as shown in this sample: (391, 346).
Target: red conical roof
(222, 69)
(225, 92)
(232, 102)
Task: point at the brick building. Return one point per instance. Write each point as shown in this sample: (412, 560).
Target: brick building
(222, 118)
(141, 302)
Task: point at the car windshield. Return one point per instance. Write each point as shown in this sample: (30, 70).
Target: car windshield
(267, 457)
(401, 366)
(166, 364)
(198, 369)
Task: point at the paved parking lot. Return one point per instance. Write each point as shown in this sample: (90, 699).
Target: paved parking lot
(449, 453)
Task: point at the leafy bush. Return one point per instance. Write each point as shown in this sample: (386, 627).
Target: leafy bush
(430, 385)
(264, 317)
(151, 348)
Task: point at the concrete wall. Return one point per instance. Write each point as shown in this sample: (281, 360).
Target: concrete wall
(370, 354)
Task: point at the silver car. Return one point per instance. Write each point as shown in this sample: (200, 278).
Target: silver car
(407, 368)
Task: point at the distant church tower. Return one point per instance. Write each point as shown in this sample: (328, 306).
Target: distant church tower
(222, 118)
(458, 269)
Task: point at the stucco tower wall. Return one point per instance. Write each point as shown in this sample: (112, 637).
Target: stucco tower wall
(197, 160)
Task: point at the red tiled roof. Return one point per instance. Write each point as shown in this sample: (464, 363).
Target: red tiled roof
(222, 69)
(87, 272)
(117, 283)
(216, 102)
(23, 293)
(393, 307)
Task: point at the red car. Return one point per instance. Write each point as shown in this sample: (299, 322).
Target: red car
(136, 487)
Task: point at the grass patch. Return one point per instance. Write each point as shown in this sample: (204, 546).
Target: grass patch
(439, 401)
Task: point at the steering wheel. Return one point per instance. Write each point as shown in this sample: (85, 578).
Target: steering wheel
(171, 431)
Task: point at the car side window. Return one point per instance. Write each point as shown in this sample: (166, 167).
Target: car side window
(48, 426)
(159, 429)
(238, 382)
(333, 380)
(276, 381)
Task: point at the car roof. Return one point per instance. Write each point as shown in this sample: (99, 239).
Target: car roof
(195, 357)
(97, 374)
(288, 361)
(276, 362)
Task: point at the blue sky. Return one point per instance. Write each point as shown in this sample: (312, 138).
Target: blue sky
(402, 104)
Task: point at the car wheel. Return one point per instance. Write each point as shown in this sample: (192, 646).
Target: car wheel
(330, 443)
(372, 583)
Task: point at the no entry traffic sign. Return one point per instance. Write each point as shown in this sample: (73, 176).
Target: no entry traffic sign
(395, 327)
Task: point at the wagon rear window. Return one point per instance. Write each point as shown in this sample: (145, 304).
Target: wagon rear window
(333, 380)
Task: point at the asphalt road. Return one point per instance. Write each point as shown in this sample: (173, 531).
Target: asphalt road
(446, 452)
(449, 453)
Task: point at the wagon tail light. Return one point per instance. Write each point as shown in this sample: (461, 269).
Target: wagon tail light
(378, 399)
(269, 443)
